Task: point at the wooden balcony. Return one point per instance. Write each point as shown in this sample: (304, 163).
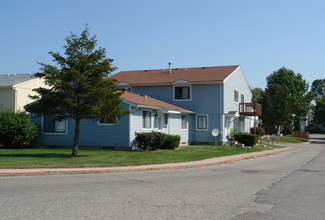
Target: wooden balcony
(250, 109)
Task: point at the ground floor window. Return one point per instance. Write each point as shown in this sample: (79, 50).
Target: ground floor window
(146, 119)
(202, 122)
(184, 121)
(52, 123)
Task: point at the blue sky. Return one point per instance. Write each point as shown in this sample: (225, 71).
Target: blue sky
(261, 36)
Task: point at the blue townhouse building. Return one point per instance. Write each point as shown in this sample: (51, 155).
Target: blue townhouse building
(190, 102)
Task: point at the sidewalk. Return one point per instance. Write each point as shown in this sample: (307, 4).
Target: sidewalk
(211, 161)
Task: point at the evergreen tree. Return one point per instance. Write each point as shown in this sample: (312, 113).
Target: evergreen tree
(78, 87)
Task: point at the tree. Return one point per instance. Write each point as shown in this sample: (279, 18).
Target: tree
(286, 99)
(78, 88)
(318, 88)
(319, 111)
(256, 95)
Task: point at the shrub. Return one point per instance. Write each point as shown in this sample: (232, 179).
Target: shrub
(16, 129)
(171, 142)
(246, 138)
(259, 130)
(150, 140)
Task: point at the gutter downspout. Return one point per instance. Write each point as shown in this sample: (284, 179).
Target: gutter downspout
(16, 96)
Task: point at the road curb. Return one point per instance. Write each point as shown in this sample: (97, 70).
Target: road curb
(218, 160)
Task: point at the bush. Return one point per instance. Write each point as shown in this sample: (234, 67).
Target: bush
(16, 129)
(150, 140)
(246, 138)
(171, 142)
(259, 130)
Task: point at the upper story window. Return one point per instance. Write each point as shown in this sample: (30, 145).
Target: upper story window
(242, 98)
(236, 98)
(146, 119)
(182, 92)
(52, 124)
(127, 89)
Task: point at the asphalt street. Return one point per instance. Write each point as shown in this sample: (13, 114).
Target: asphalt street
(288, 185)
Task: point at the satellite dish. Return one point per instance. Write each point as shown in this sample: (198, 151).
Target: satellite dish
(215, 132)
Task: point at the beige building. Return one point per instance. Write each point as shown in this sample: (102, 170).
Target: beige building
(15, 90)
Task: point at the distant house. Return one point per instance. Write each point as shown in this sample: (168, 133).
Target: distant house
(190, 102)
(15, 90)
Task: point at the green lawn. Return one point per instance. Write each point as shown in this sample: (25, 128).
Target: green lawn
(52, 158)
(284, 139)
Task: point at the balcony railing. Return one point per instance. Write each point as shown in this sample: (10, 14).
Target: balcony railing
(250, 109)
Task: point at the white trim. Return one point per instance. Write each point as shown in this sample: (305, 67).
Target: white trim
(185, 85)
(151, 120)
(55, 133)
(122, 84)
(232, 74)
(184, 129)
(202, 129)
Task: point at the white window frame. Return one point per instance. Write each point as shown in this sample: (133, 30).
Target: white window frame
(182, 86)
(186, 122)
(236, 96)
(55, 133)
(151, 120)
(202, 129)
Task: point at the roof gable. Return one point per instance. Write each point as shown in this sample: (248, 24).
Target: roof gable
(191, 75)
(150, 101)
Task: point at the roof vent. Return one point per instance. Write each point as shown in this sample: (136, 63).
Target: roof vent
(170, 67)
(203, 67)
(146, 70)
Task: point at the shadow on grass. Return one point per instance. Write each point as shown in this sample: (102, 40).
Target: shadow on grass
(48, 155)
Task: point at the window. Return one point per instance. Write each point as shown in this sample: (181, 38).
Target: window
(202, 122)
(105, 121)
(235, 124)
(127, 89)
(146, 119)
(236, 96)
(184, 121)
(51, 124)
(166, 119)
(182, 92)
(242, 98)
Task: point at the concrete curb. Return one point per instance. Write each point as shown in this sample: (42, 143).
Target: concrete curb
(212, 161)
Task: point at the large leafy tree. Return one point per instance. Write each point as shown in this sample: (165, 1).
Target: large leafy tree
(256, 95)
(318, 87)
(286, 99)
(78, 87)
(319, 111)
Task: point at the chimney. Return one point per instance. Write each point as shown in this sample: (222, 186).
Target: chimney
(170, 67)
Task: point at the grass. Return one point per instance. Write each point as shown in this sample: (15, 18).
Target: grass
(284, 139)
(53, 158)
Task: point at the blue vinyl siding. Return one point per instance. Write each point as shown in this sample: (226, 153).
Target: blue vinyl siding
(91, 134)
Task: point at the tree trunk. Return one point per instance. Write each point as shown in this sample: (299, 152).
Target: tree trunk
(76, 139)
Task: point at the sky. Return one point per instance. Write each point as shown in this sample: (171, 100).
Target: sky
(261, 36)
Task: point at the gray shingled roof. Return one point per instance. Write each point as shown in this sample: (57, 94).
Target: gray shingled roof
(7, 81)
